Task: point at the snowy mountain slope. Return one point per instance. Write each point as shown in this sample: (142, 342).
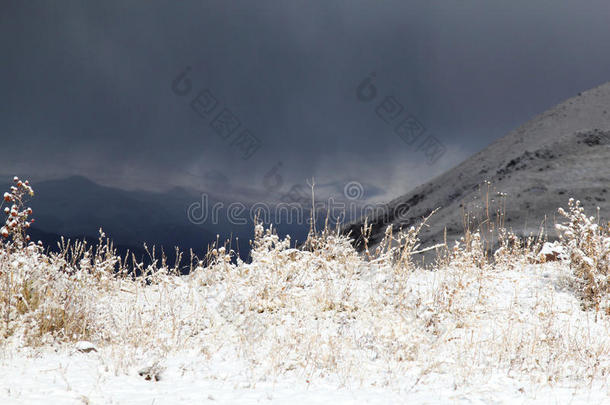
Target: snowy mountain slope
(564, 152)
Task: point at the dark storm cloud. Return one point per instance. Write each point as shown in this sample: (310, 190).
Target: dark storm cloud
(86, 87)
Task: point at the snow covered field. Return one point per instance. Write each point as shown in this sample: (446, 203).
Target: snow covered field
(524, 339)
(316, 325)
(76, 378)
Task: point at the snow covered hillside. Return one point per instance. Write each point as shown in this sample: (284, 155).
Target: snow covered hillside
(315, 325)
(563, 152)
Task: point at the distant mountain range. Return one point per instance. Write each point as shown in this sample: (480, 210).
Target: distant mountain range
(562, 153)
(76, 207)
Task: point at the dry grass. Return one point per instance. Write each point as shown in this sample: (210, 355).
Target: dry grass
(327, 311)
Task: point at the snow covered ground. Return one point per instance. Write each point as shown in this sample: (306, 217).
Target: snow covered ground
(314, 325)
(50, 377)
(515, 336)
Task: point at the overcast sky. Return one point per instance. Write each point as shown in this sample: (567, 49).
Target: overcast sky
(86, 87)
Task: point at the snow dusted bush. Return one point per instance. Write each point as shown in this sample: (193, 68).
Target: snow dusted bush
(39, 301)
(469, 251)
(36, 298)
(47, 297)
(588, 246)
(514, 251)
(396, 249)
(511, 246)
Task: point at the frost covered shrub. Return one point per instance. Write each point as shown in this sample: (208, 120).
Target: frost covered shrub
(39, 301)
(277, 268)
(587, 245)
(514, 251)
(397, 249)
(469, 251)
(511, 246)
(267, 243)
(42, 296)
